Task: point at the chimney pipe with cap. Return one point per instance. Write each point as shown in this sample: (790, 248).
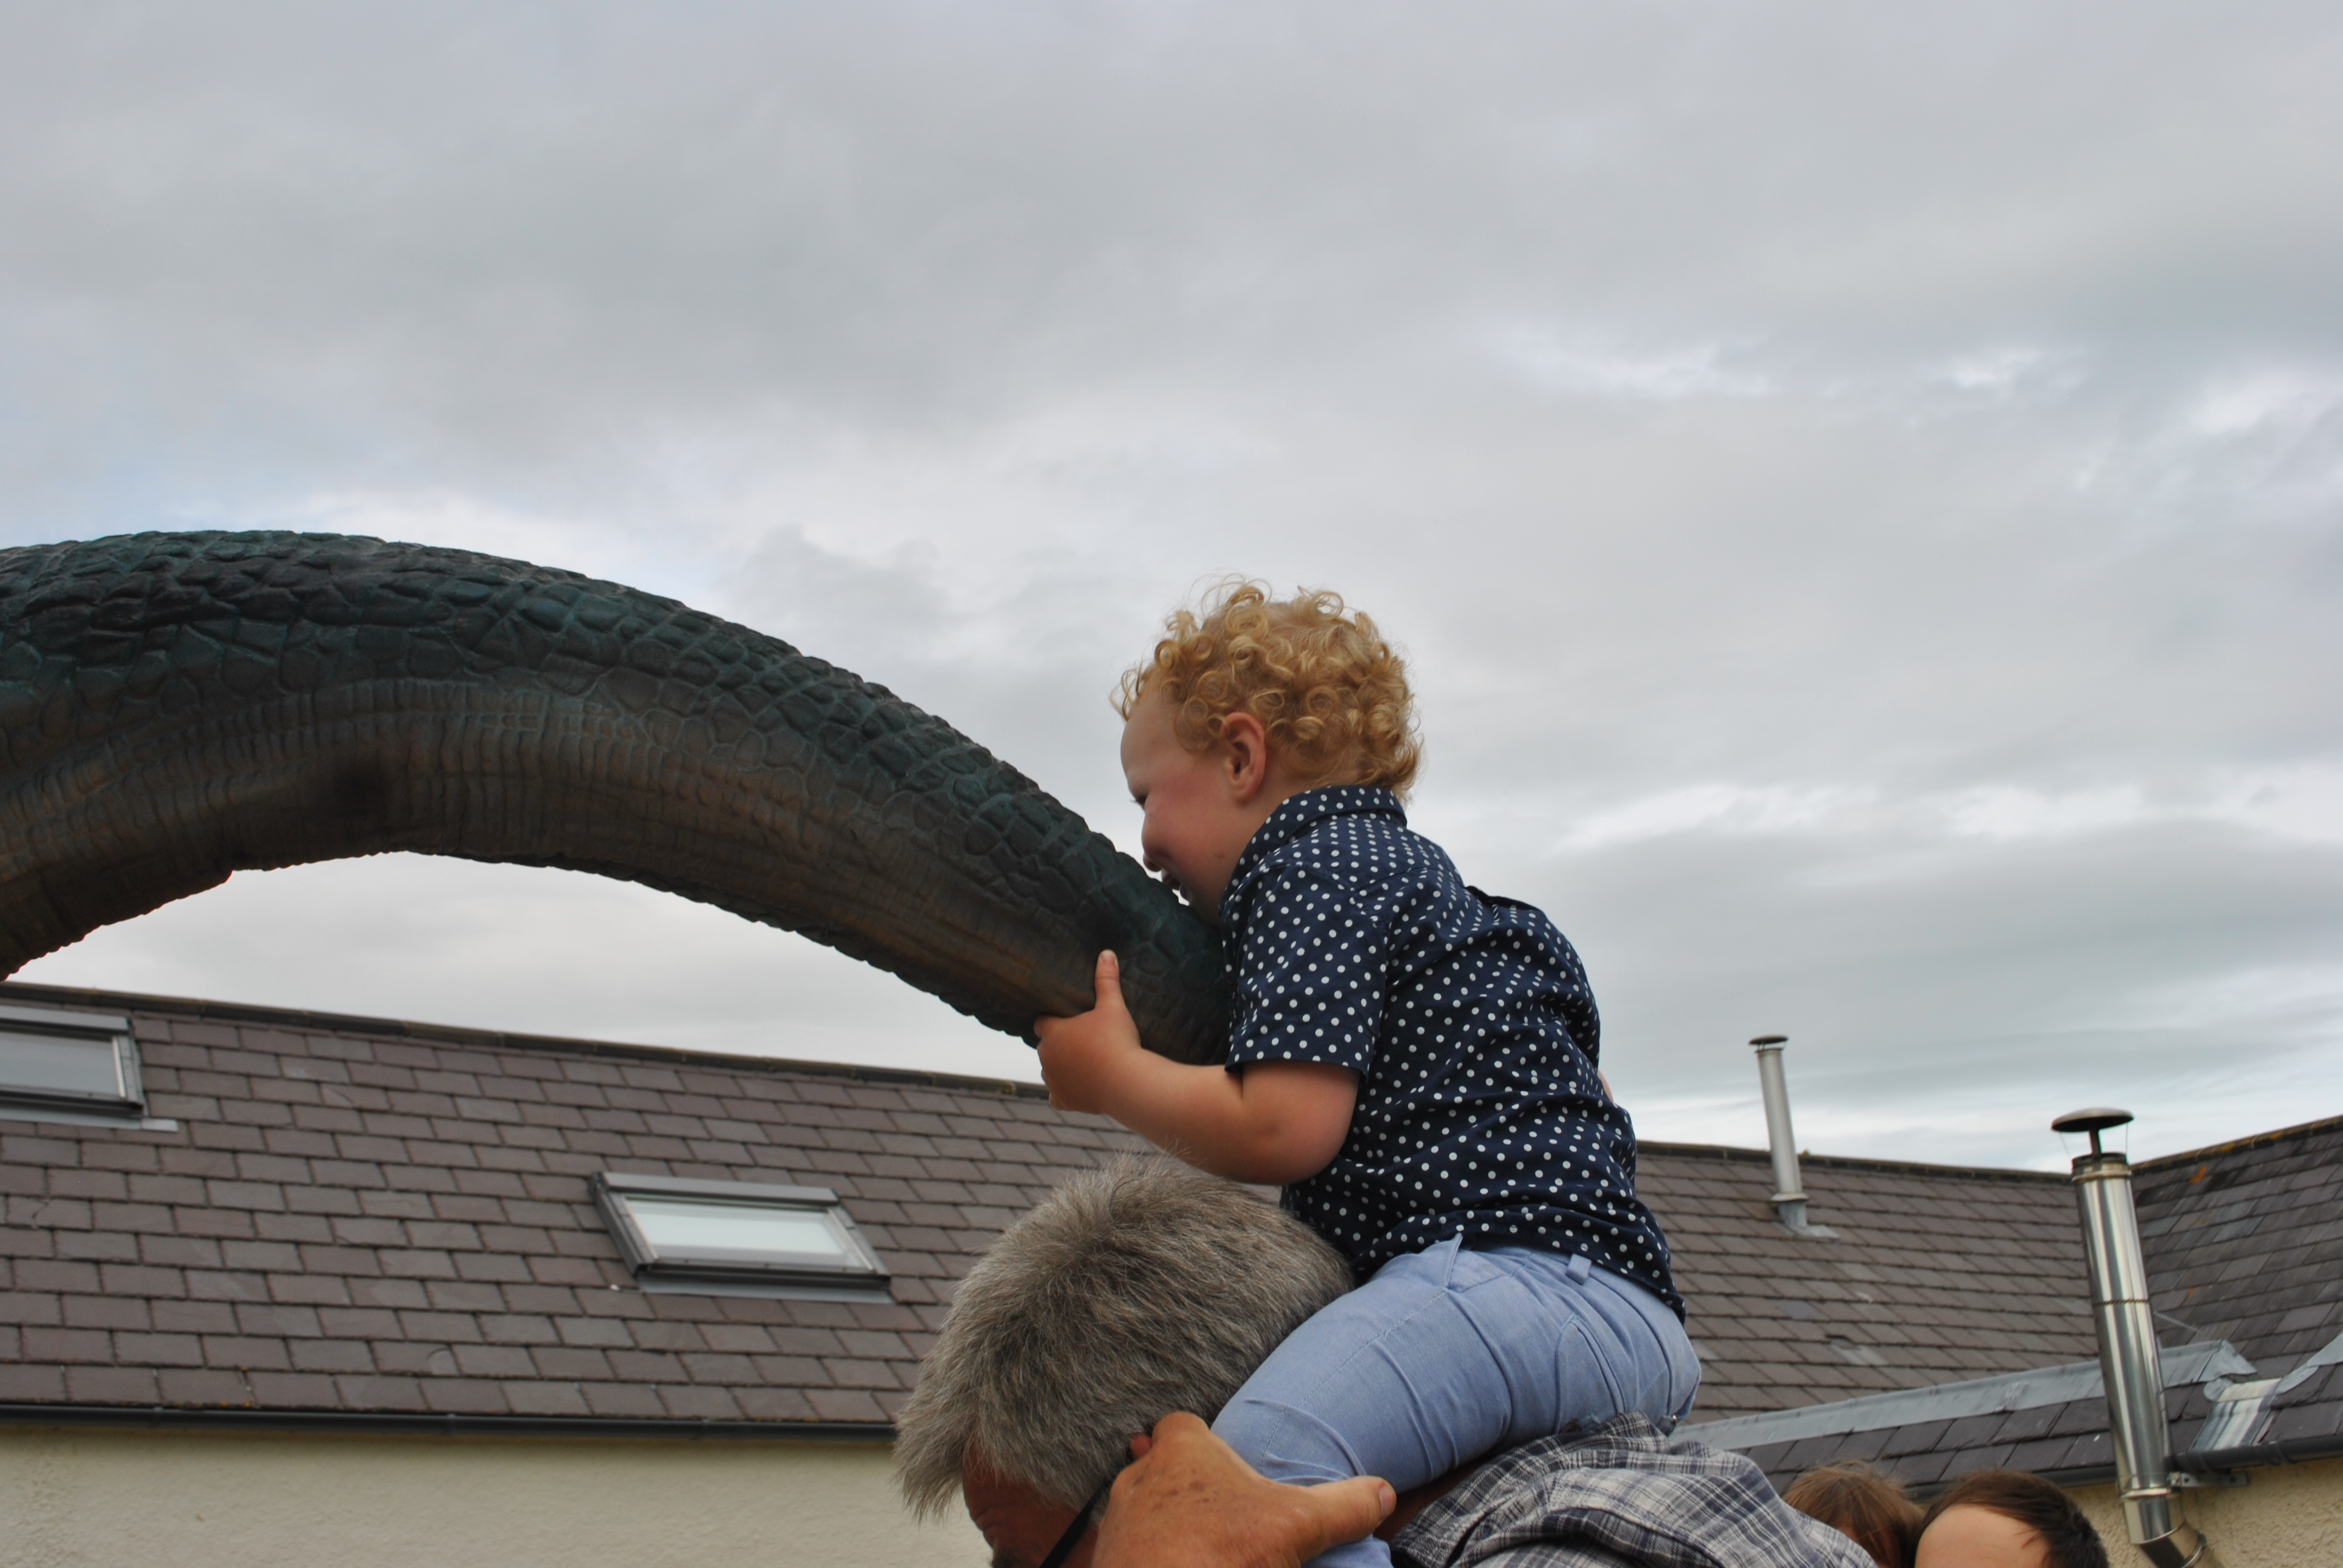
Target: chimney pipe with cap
(2131, 1365)
(1789, 1195)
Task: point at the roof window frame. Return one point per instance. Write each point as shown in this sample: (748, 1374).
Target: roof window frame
(124, 1106)
(862, 1277)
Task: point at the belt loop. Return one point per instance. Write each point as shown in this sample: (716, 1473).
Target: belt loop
(1580, 1267)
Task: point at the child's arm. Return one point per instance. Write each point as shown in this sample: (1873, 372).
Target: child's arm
(1274, 1121)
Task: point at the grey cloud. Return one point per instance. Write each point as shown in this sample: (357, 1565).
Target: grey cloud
(1827, 418)
(2007, 976)
(552, 221)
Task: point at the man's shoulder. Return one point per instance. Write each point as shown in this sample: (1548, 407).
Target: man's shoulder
(1619, 1492)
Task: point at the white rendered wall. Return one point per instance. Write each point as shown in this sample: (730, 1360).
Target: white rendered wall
(2285, 1517)
(138, 1499)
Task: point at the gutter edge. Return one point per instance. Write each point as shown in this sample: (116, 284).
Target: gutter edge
(2261, 1455)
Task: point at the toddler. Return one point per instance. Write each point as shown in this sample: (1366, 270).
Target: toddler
(1413, 1060)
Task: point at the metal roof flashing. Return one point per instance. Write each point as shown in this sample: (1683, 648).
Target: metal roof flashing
(2185, 1367)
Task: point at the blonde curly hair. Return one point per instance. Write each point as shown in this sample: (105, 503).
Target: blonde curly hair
(1329, 691)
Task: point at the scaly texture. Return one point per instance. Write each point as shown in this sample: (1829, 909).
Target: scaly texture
(178, 706)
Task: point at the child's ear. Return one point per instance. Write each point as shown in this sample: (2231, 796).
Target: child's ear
(1247, 758)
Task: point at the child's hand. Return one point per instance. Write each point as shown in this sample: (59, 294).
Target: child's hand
(1272, 1121)
(1083, 1057)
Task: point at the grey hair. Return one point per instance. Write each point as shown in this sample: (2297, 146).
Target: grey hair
(1128, 1293)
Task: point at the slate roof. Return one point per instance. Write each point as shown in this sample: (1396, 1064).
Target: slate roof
(366, 1216)
(363, 1216)
(2244, 1240)
(2244, 1244)
(1939, 1273)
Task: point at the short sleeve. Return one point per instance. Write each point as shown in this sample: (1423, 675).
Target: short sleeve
(1309, 972)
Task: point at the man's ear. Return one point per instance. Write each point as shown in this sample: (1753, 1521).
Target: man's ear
(1246, 756)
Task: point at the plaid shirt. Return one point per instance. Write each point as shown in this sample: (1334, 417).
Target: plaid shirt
(1620, 1494)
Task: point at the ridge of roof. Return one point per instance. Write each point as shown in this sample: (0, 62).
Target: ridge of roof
(1988, 1172)
(232, 1418)
(1849, 1163)
(457, 1034)
(2240, 1145)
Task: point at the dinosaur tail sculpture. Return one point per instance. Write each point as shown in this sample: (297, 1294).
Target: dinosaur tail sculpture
(178, 706)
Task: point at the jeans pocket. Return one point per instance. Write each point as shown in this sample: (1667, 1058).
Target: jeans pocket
(1590, 1383)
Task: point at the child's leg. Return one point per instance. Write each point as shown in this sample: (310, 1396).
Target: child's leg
(1447, 1354)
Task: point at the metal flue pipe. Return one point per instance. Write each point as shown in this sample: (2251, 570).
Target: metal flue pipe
(2131, 1365)
(1789, 1192)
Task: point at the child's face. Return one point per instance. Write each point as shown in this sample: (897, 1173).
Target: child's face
(1198, 815)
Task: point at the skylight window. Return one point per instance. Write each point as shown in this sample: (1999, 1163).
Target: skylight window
(738, 1238)
(68, 1065)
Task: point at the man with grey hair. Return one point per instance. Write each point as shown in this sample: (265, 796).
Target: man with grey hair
(1130, 1293)
(1147, 1289)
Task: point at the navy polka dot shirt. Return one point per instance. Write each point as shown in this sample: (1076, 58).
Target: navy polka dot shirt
(1469, 1022)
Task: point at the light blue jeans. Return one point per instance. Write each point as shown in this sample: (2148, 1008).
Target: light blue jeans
(1448, 1354)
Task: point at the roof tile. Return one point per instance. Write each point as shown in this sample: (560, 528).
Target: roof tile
(331, 1355)
(194, 1317)
(189, 1386)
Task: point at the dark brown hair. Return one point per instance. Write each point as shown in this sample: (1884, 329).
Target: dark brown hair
(1866, 1505)
(2064, 1530)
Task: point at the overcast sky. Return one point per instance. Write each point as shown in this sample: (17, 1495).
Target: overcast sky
(1861, 487)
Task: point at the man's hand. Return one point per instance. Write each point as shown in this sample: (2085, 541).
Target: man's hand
(1086, 1057)
(1189, 1501)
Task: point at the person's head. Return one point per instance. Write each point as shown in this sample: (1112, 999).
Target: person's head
(1128, 1293)
(2008, 1519)
(1867, 1507)
(1253, 700)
